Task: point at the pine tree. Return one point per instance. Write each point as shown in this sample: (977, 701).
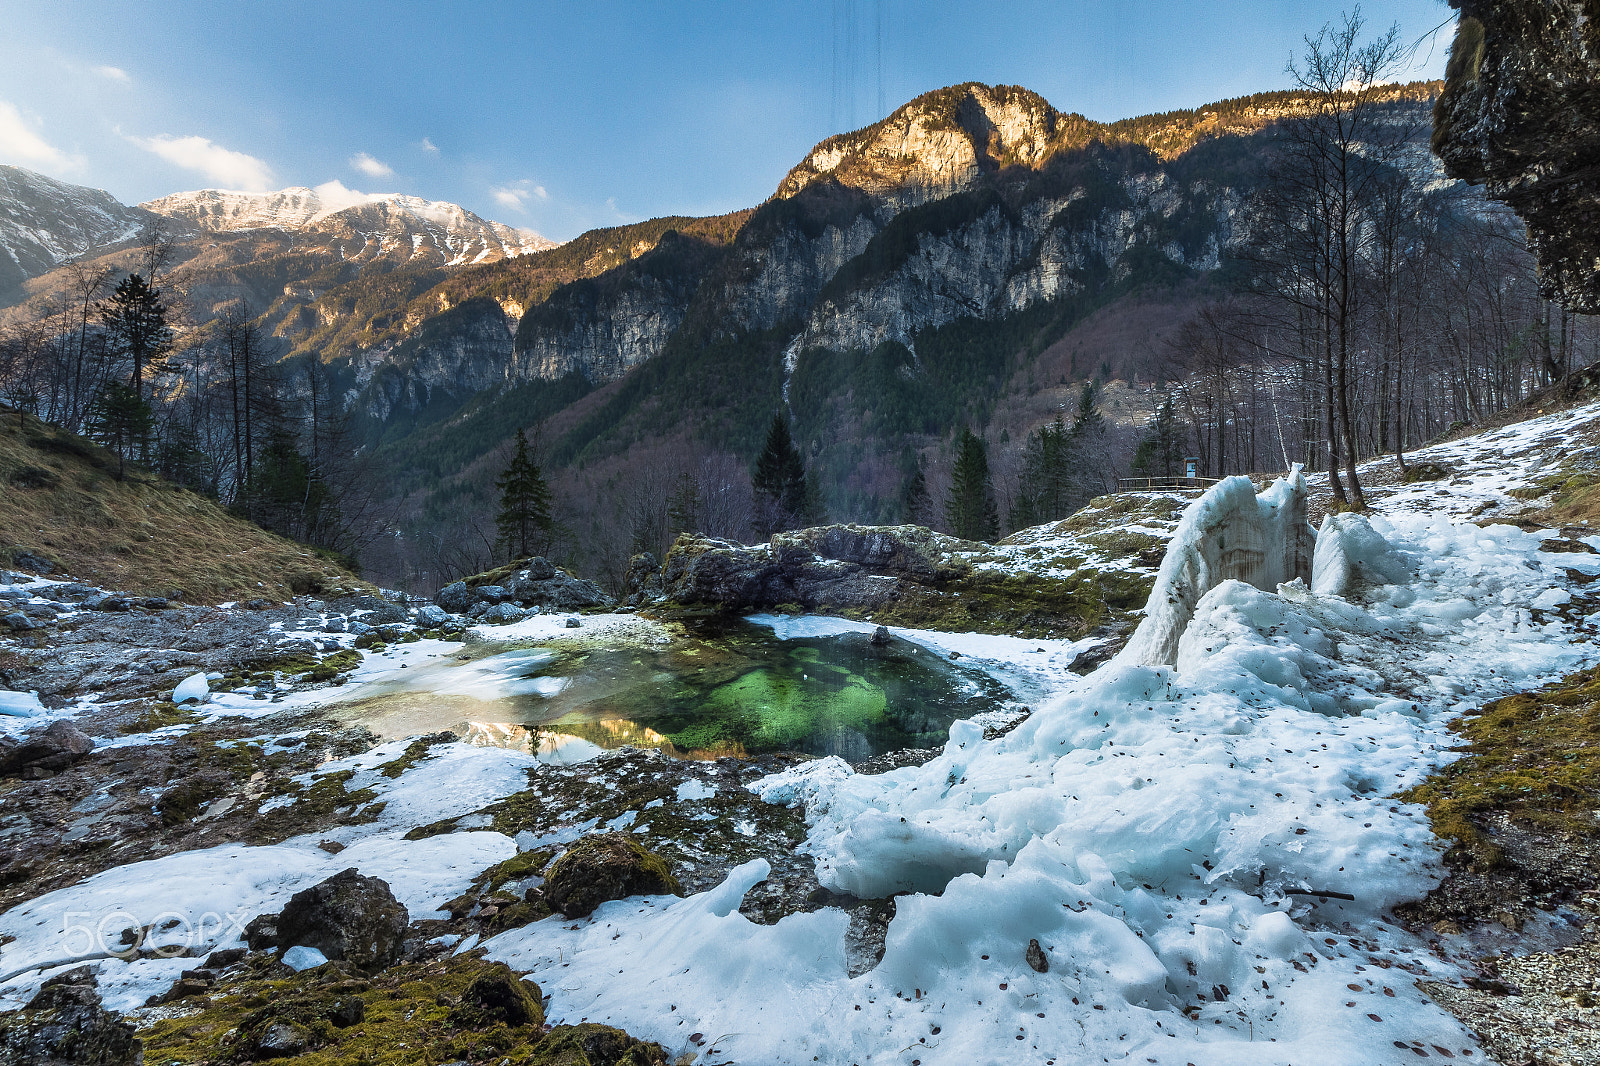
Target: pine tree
(136, 321)
(970, 508)
(121, 421)
(915, 500)
(1160, 452)
(683, 508)
(524, 520)
(779, 480)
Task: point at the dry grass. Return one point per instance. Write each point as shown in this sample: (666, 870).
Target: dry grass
(60, 499)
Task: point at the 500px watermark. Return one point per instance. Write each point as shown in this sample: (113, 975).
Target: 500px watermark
(170, 935)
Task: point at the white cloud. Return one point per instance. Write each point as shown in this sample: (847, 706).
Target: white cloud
(335, 197)
(20, 144)
(229, 169)
(429, 146)
(517, 194)
(372, 168)
(113, 73)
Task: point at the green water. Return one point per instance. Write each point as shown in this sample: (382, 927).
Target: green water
(737, 688)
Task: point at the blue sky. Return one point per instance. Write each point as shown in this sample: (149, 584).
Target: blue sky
(564, 116)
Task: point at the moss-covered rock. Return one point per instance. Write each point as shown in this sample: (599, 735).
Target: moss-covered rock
(443, 1009)
(605, 867)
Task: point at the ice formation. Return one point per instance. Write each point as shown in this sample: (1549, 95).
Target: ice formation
(1170, 834)
(194, 687)
(1229, 534)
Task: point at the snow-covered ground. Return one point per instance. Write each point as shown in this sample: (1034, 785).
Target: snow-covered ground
(1178, 841)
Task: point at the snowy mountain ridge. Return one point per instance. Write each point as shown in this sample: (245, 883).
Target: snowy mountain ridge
(44, 222)
(457, 233)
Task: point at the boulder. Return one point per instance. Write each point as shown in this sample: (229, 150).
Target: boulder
(349, 917)
(503, 614)
(455, 597)
(552, 589)
(490, 594)
(499, 994)
(605, 867)
(65, 1023)
(431, 616)
(282, 1040)
(50, 750)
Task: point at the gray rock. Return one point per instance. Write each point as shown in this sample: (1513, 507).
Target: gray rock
(642, 583)
(51, 749)
(503, 614)
(491, 593)
(359, 627)
(349, 917)
(65, 1023)
(431, 616)
(1519, 116)
(573, 623)
(32, 563)
(335, 623)
(281, 1040)
(1036, 959)
(19, 622)
(455, 597)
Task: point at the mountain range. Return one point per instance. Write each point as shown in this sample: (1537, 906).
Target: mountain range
(966, 260)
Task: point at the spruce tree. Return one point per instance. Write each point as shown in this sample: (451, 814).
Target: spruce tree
(135, 319)
(121, 421)
(779, 480)
(1160, 452)
(915, 500)
(524, 520)
(683, 508)
(970, 508)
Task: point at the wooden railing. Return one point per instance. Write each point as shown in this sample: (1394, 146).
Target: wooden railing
(1151, 484)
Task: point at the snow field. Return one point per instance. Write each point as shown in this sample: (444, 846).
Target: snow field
(1162, 832)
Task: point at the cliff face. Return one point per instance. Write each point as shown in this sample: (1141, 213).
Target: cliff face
(1520, 115)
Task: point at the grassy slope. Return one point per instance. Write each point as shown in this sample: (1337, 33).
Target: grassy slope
(60, 499)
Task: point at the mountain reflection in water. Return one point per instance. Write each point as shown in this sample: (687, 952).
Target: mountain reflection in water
(728, 689)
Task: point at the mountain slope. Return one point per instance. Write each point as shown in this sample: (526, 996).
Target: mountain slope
(61, 500)
(44, 222)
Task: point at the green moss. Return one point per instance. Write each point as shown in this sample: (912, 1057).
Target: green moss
(453, 1009)
(316, 806)
(161, 715)
(1534, 756)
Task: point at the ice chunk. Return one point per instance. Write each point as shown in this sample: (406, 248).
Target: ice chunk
(20, 704)
(1275, 936)
(1352, 555)
(193, 687)
(301, 957)
(695, 789)
(1230, 533)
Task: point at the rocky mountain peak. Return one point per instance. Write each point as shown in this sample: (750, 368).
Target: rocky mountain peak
(937, 143)
(44, 222)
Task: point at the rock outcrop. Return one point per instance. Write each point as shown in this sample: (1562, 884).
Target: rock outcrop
(65, 1025)
(1063, 579)
(44, 753)
(1520, 115)
(528, 583)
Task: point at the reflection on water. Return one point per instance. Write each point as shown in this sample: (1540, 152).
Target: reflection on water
(573, 743)
(732, 689)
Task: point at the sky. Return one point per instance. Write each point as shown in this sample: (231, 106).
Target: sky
(560, 117)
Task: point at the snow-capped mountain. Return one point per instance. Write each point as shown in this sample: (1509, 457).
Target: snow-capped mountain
(44, 222)
(361, 225)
